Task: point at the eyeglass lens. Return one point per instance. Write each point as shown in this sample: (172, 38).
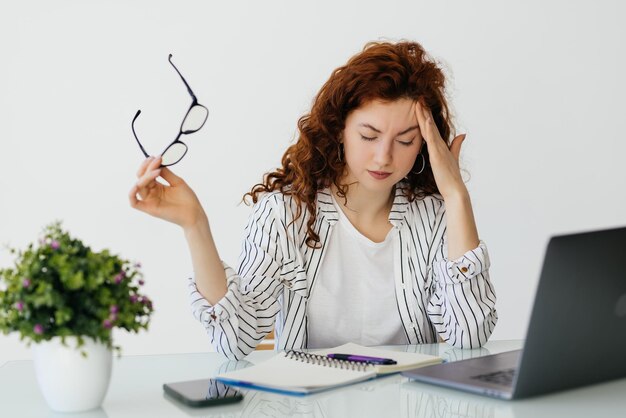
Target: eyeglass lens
(173, 154)
(195, 119)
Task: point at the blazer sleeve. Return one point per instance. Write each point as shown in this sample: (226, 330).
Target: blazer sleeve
(462, 302)
(246, 314)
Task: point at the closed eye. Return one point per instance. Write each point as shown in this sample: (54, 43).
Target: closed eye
(407, 143)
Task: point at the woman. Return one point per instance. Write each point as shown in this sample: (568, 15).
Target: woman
(365, 234)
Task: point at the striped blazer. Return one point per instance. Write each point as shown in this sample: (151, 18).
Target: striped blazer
(453, 299)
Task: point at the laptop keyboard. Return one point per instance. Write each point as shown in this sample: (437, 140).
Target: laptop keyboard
(501, 377)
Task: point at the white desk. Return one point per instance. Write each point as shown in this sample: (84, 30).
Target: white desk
(136, 391)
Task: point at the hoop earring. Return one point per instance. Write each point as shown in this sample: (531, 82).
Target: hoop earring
(423, 165)
(339, 152)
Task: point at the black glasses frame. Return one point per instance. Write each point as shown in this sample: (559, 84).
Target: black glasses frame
(194, 103)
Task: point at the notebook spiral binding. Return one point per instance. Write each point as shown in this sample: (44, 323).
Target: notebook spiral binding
(327, 361)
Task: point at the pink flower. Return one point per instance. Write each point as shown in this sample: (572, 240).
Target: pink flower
(141, 282)
(19, 305)
(38, 329)
(133, 298)
(114, 309)
(55, 245)
(113, 317)
(26, 283)
(107, 324)
(118, 278)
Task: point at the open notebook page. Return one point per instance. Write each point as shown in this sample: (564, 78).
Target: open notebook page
(287, 374)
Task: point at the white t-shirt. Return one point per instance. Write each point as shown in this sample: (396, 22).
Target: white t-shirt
(354, 298)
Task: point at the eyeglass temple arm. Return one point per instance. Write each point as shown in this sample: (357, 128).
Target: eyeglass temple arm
(182, 78)
(132, 125)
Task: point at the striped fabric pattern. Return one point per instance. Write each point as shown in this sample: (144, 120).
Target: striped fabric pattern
(453, 299)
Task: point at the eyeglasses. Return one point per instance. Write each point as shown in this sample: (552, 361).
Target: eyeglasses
(194, 119)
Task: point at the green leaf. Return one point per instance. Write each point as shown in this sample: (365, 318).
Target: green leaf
(75, 281)
(63, 315)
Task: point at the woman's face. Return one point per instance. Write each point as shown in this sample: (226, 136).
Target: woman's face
(381, 141)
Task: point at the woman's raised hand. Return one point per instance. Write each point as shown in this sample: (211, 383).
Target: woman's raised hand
(443, 160)
(175, 202)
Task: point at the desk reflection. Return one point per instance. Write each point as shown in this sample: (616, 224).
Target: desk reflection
(389, 396)
(397, 396)
(446, 352)
(94, 413)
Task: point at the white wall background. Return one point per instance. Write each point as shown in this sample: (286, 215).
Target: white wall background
(538, 86)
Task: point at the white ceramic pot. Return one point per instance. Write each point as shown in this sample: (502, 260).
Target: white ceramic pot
(70, 382)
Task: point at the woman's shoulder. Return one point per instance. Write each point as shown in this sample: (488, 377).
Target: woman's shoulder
(282, 201)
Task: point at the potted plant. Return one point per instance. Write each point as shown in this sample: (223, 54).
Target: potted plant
(65, 299)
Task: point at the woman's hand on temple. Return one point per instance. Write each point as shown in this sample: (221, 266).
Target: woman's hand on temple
(443, 160)
(175, 202)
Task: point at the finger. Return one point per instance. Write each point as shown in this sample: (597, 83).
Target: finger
(144, 166)
(149, 164)
(170, 177)
(156, 163)
(423, 109)
(144, 193)
(430, 121)
(431, 130)
(147, 178)
(455, 147)
(135, 203)
(423, 124)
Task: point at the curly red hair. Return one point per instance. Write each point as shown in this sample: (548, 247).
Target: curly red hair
(383, 71)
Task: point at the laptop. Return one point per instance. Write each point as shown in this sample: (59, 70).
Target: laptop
(577, 330)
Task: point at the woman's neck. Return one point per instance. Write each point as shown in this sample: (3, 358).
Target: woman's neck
(364, 205)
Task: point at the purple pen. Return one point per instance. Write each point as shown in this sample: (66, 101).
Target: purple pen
(361, 359)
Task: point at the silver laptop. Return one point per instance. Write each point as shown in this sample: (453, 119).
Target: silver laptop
(577, 330)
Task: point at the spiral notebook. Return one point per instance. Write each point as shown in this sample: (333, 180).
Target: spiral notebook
(299, 373)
